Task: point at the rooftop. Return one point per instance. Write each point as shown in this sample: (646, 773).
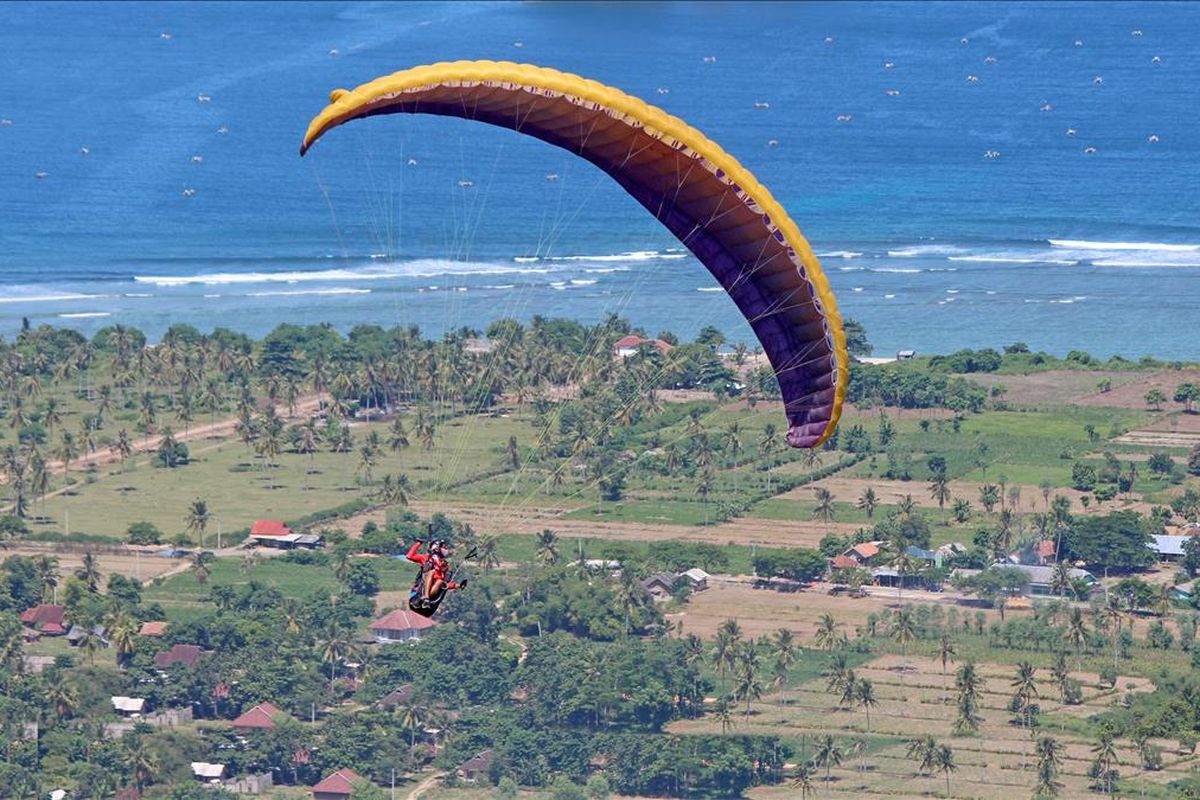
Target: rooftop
(269, 527)
(340, 782)
(262, 717)
(401, 620)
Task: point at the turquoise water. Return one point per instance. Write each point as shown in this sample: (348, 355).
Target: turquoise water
(171, 189)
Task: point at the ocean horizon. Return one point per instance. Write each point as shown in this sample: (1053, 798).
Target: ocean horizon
(969, 174)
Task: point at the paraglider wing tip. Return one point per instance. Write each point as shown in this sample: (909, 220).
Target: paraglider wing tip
(338, 94)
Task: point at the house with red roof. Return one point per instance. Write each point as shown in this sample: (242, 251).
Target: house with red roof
(400, 625)
(476, 767)
(260, 718)
(862, 553)
(153, 628)
(627, 346)
(338, 786)
(45, 619)
(185, 654)
(274, 533)
(842, 561)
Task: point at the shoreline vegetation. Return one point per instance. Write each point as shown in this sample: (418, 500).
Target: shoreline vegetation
(865, 626)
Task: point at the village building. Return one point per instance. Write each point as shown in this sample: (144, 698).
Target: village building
(153, 628)
(336, 786)
(1166, 547)
(274, 533)
(661, 586)
(397, 697)
(260, 718)
(696, 578)
(861, 554)
(627, 346)
(476, 768)
(45, 619)
(400, 625)
(129, 706)
(208, 773)
(78, 633)
(185, 654)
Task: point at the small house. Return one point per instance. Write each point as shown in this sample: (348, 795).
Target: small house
(906, 355)
(476, 768)
(208, 773)
(661, 586)
(400, 625)
(1168, 548)
(260, 718)
(45, 619)
(627, 346)
(397, 697)
(153, 629)
(862, 553)
(336, 786)
(78, 633)
(696, 578)
(185, 654)
(129, 706)
(274, 533)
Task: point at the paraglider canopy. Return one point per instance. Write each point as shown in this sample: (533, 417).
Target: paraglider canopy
(716, 208)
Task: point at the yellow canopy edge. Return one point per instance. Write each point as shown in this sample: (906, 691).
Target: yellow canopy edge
(654, 121)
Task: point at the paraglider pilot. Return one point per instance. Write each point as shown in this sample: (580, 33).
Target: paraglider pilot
(435, 577)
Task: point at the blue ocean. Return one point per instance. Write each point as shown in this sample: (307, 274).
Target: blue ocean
(971, 174)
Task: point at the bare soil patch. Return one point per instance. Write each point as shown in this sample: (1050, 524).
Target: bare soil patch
(1129, 390)
(143, 567)
(494, 520)
(1064, 387)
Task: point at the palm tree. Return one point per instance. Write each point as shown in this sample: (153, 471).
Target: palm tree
(1105, 761)
(123, 633)
(828, 755)
(1025, 686)
(202, 561)
(724, 652)
(904, 629)
(748, 686)
(47, 572)
(946, 653)
(907, 506)
(1049, 757)
(824, 509)
(939, 490)
(123, 446)
(803, 781)
(724, 711)
(905, 565)
(969, 685)
(334, 649)
(61, 697)
(784, 647)
(197, 519)
(488, 555)
(141, 761)
(924, 751)
(412, 717)
(865, 695)
(944, 761)
(547, 547)
(1076, 633)
(89, 572)
(868, 502)
(827, 636)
